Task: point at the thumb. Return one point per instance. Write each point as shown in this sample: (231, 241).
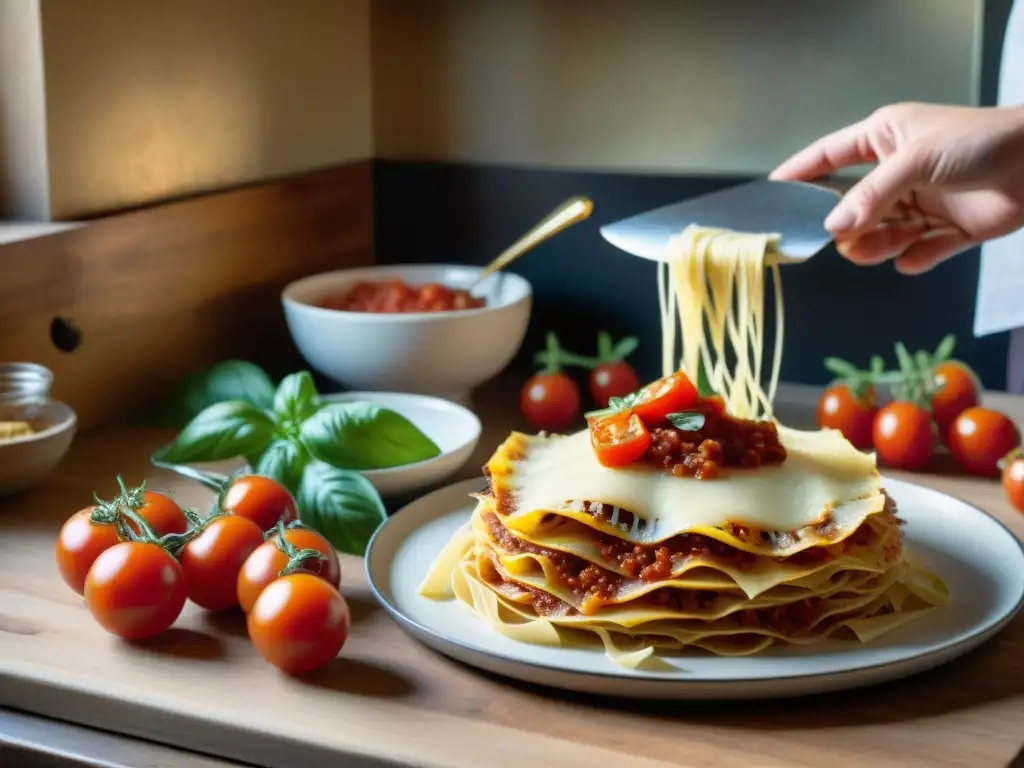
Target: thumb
(873, 197)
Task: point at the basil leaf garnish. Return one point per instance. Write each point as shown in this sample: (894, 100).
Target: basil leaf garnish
(688, 421)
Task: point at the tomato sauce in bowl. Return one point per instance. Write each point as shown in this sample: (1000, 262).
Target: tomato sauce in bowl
(397, 297)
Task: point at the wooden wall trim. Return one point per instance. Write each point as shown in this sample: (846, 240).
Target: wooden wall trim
(161, 291)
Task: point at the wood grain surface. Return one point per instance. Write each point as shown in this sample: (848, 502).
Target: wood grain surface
(158, 292)
(388, 700)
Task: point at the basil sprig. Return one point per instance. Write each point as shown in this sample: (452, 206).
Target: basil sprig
(227, 380)
(314, 449)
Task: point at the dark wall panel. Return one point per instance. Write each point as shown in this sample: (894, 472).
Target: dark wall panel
(434, 212)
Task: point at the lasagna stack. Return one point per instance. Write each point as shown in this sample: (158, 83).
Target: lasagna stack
(564, 550)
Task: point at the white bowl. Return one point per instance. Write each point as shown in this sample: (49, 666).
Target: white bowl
(453, 428)
(26, 461)
(436, 353)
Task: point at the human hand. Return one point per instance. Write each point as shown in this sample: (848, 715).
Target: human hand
(946, 179)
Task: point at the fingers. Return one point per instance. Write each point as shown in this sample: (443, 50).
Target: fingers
(926, 254)
(873, 197)
(847, 146)
(882, 244)
(915, 248)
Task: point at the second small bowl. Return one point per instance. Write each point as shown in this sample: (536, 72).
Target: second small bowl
(26, 461)
(455, 430)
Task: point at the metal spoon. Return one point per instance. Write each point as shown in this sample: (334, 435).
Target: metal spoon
(572, 211)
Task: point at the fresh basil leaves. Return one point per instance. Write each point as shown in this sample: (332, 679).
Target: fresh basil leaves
(285, 461)
(226, 381)
(704, 388)
(296, 398)
(688, 421)
(616, 404)
(314, 449)
(222, 431)
(341, 504)
(365, 436)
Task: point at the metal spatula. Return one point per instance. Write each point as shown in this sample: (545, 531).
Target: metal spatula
(794, 210)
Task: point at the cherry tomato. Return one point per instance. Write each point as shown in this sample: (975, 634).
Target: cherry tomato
(135, 590)
(214, 558)
(958, 391)
(299, 623)
(854, 417)
(609, 380)
(1013, 479)
(261, 499)
(903, 435)
(550, 401)
(162, 513)
(620, 439)
(266, 563)
(979, 437)
(79, 543)
(666, 395)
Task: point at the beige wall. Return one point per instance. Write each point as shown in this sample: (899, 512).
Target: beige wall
(654, 85)
(24, 189)
(151, 99)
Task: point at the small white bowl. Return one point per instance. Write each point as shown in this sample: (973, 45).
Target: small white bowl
(26, 461)
(453, 428)
(447, 354)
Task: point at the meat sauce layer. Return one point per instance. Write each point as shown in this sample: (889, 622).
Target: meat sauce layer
(722, 442)
(770, 541)
(791, 619)
(595, 586)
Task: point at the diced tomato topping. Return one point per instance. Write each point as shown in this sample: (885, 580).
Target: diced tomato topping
(670, 394)
(619, 439)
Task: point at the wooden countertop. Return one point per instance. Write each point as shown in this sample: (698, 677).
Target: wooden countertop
(388, 700)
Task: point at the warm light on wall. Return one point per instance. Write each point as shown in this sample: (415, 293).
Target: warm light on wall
(155, 99)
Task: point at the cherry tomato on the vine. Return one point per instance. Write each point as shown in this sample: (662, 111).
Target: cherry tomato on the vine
(613, 379)
(135, 590)
(550, 401)
(903, 435)
(839, 409)
(979, 437)
(214, 558)
(162, 513)
(958, 390)
(265, 564)
(79, 543)
(299, 623)
(260, 499)
(1013, 479)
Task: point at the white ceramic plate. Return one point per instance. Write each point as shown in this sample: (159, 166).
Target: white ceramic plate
(980, 560)
(454, 428)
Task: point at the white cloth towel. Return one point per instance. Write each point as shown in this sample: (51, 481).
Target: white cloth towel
(1001, 282)
(1000, 305)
